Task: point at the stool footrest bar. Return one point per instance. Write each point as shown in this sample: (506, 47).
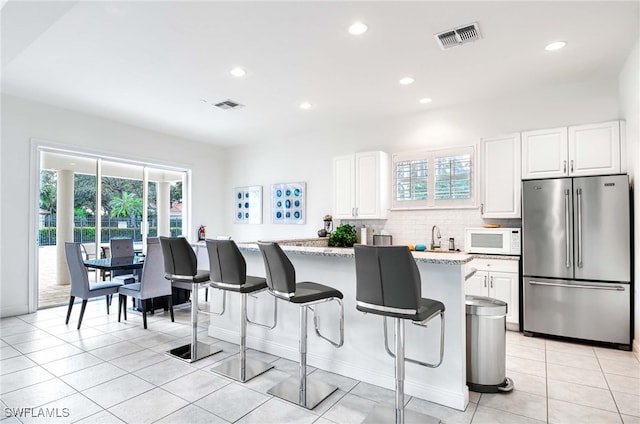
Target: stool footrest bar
(415, 361)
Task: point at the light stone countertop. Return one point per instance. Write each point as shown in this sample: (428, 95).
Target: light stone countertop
(444, 258)
(311, 248)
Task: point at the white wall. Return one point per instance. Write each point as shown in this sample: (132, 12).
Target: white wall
(23, 120)
(629, 88)
(309, 157)
(299, 158)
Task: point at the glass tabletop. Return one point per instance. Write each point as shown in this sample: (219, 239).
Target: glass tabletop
(127, 262)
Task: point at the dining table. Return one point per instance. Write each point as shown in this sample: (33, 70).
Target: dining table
(110, 264)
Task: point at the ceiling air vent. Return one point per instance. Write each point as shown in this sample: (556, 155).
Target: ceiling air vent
(228, 105)
(457, 36)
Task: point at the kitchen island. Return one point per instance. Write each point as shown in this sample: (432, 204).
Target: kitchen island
(363, 355)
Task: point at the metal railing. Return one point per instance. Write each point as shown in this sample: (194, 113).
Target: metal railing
(84, 229)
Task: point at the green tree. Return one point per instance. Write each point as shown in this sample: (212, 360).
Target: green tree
(129, 205)
(176, 192)
(112, 187)
(48, 190)
(84, 193)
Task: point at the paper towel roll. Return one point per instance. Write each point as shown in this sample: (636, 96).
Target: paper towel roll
(364, 233)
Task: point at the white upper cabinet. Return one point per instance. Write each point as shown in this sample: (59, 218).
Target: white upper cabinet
(361, 187)
(594, 149)
(343, 186)
(501, 176)
(580, 150)
(544, 153)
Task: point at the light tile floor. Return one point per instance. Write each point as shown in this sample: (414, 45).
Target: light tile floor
(110, 372)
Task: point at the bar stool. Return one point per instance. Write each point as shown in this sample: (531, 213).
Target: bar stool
(228, 272)
(181, 267)
(388, 284)
(281, 281)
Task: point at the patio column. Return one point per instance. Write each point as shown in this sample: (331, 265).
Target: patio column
(164, 208)
(64, 223)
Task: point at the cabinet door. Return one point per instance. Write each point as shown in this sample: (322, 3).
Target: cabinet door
(343, 187)
(477, 284)
(504, 286)
(594, 149)
(371, 185)
(501, 176)
(544, 153)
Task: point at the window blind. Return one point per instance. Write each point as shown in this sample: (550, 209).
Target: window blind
(434, 179)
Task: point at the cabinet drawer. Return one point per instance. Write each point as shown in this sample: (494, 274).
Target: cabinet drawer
(493, 265)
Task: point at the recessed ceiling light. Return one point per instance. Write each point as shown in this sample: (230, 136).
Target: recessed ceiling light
(238, 72)
(358, 28)
(406, 81)
(556, 45)
(305, 105)
(425, 100)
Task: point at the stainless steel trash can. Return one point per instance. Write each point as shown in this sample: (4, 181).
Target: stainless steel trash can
(486, 345)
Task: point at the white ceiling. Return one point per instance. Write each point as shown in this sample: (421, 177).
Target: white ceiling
(149, 63)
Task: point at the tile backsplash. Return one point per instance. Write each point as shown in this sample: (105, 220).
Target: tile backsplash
(414, 226)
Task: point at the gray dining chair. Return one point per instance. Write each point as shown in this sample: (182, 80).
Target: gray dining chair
(80, 285)
(122, 248)
(152, 283)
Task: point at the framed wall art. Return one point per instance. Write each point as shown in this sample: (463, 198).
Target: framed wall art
(248, 205)
(288, 203)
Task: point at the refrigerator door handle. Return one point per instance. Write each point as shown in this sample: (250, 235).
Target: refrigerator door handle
(576, 286)
(567, 229)
(579, 207)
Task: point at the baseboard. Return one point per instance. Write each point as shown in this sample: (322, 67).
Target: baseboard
(14, 310)
(423, 391)
(636, 348)
(513, 326)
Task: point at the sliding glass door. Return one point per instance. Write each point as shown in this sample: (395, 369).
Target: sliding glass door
(92, 200)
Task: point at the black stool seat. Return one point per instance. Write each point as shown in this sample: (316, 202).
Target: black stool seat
(311, 292)
(426, 309)
(251, 285)
(186, 283)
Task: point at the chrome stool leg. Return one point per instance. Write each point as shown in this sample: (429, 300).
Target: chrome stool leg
(300, 390)
(399, 371)
(385, 413)
(240, 368)
(195, 350)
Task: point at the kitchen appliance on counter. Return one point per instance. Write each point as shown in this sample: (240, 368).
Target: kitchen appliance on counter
(577, 258)
(382, 240)
(492, 241)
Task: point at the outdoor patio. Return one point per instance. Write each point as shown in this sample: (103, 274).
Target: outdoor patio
(49, 293)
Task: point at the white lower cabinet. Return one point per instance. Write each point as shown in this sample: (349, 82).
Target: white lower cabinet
(498, 279)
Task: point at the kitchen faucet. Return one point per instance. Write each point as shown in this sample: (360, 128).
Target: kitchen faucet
(433, 241)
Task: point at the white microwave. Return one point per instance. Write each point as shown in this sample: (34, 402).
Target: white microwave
(493, 241)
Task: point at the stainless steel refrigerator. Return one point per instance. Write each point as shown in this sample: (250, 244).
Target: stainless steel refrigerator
(576, 253)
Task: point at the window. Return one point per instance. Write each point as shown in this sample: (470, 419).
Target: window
(434, 179)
